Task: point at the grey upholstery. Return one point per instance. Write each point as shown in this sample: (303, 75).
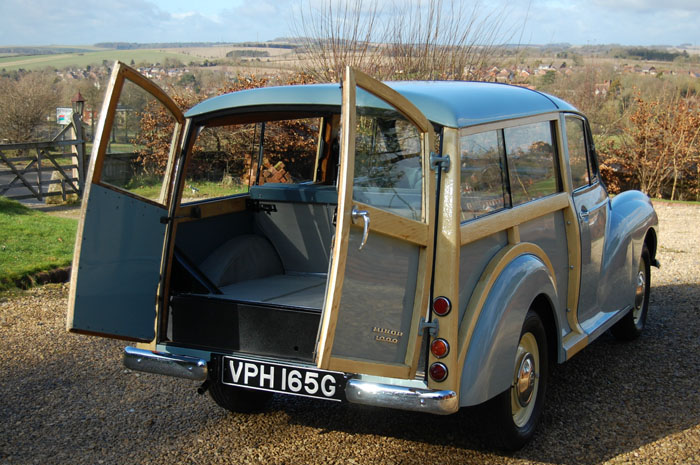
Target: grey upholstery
(242, 258)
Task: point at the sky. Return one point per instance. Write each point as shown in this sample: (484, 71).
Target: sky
(86, 22)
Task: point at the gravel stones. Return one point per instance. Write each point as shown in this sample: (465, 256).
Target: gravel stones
(68, 399)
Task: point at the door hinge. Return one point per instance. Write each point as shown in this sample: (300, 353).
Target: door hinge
(431, 326)
(441, 162)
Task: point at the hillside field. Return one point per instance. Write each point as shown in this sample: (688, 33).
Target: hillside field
(81, 60)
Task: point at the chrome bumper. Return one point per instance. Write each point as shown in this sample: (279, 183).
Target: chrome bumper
(165, 364)
(399, 397)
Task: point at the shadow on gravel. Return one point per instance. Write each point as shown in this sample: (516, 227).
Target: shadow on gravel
(611, 398)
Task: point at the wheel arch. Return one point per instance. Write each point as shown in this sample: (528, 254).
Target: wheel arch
(526, 282)
(651, 241)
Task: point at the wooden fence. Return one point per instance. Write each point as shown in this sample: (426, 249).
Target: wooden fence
(25, 166)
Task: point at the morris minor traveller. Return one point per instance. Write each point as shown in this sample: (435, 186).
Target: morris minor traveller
(422, 246)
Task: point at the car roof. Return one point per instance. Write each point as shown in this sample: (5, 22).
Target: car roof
(448, 103)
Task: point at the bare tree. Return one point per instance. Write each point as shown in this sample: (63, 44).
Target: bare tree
(337, 34)
(25, 104)
(429, 39)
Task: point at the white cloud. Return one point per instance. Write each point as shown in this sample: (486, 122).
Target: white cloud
(633, 22)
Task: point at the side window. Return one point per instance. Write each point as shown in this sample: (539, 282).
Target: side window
(576, 142)
(531, 161)
(482, 187)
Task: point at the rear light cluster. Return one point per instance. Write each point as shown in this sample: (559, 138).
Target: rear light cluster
(442, 306)
(439, 347)
(438, 371)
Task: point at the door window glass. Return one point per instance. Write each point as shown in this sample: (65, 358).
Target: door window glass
(531, 161)
(576, 142)
(139, 147)
(388, 169)
(483, 188)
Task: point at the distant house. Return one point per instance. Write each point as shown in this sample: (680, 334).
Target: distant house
(601, 90)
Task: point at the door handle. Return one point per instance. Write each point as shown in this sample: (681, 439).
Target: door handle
(584, 213)
(364, 214)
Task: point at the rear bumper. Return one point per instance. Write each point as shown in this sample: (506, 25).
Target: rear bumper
(165, 364)
(400, 397)
(357, 391)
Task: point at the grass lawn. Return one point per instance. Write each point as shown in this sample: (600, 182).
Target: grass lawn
(32, 241)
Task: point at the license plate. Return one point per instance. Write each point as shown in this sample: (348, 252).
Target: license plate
(286, 379)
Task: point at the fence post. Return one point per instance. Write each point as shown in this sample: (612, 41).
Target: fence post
(78, 151)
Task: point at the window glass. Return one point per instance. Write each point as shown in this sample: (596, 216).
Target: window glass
(224, 159)
(388, 171)
(482, 185)
(139, 147)
(576, 141)
(289, 151)
(221, 162)
(531, 162)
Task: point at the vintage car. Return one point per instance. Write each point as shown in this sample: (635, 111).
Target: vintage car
(415, 245)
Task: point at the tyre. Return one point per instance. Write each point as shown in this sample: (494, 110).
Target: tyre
(514, 413)
(632, 324)
(235, 399)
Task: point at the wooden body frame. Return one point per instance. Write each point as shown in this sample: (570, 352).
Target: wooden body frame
(452, 235)
(382, 222)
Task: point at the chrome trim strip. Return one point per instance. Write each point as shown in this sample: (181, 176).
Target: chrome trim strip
(165, 364)
(400, 397)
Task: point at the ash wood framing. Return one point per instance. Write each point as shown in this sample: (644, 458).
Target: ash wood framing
(340, 247)
(483, 287)
(487, 225)
(382, 222)
(447, 256)
(395, 226)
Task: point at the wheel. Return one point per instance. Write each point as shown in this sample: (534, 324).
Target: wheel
(232, 398)
(515, 412)
(632, 324)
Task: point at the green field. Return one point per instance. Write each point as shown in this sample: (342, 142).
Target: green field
(81, 60)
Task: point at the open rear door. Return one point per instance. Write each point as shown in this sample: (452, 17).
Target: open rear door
(119, 246)
(379, 278)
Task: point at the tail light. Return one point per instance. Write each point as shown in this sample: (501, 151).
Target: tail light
(438, 371)
(442, 306)
(440, 348)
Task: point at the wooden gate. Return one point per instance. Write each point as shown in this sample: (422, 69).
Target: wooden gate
(26, 165)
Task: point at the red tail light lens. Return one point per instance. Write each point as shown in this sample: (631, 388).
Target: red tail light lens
(442, 306)
(438, 371)
(439, 348)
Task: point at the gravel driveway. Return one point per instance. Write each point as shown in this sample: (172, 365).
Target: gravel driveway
(67, 399)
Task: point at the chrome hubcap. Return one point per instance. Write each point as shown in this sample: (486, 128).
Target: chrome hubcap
(525, 382)
(525, 379)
